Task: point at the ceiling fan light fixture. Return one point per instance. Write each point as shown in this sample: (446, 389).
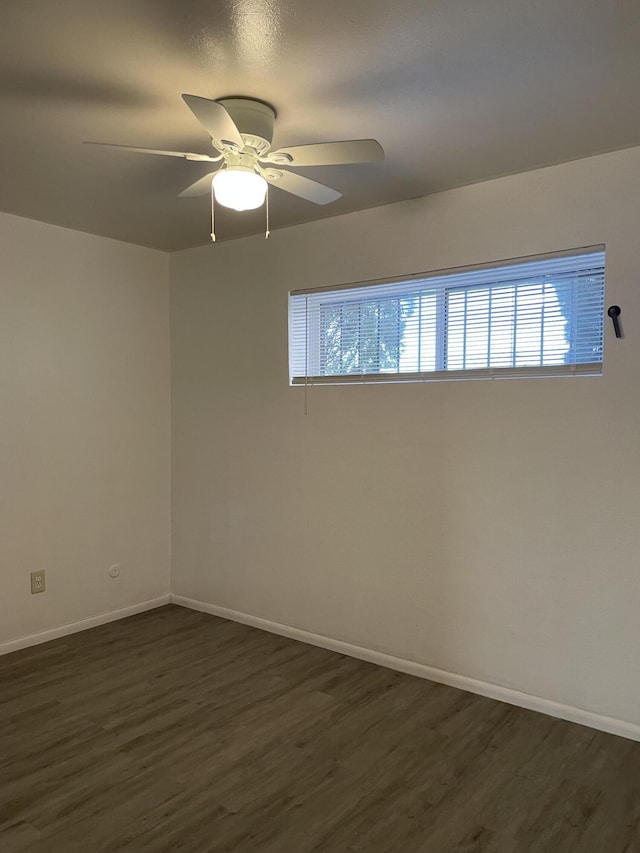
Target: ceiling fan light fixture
(239, 188)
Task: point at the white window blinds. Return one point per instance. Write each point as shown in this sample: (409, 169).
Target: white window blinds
(539, 317)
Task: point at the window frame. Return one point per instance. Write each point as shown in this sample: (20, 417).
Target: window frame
(313, 335)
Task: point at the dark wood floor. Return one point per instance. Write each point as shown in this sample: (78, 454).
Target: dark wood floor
(177, 731)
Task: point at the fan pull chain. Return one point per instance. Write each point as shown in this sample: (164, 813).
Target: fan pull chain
(213, 215)
(267, 232)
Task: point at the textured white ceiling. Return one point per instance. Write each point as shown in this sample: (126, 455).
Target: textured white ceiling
(457, 91)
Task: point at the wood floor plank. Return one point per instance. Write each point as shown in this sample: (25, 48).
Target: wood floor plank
(175, 730)
(17, 835)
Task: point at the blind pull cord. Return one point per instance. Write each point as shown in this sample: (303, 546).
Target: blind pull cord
(306, 355)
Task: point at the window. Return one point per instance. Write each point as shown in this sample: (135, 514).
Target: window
(538, 317)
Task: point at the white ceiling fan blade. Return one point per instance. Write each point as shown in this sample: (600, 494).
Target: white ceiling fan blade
(184, 154)
(201, 187)
(303, 187)
(215, 120)
(329, 153)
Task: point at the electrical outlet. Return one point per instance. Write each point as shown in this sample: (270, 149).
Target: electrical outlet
(37, 582)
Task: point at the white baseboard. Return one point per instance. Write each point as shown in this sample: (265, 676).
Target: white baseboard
(611, 725)
(81, 625)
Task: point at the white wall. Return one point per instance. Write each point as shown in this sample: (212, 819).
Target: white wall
(84, 425)
(489, 528)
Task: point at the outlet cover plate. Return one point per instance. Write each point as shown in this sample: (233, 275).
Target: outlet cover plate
(37, 582)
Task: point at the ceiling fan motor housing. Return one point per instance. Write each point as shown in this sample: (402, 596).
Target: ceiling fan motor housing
(254, 119)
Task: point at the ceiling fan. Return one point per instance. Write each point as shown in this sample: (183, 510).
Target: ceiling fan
(241, 131)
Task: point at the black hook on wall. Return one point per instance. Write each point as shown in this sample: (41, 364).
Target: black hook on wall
(614, 313)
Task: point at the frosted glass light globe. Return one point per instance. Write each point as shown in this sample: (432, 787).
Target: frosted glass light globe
(239, 189)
